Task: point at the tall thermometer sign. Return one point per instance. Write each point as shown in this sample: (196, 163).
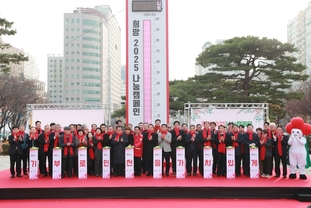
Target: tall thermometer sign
(147, 93)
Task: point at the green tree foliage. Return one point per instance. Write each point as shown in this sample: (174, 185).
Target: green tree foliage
(5, 58)
(122, 111)
(250, 69)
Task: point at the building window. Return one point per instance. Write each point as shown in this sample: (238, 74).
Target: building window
(72, 45)
(67, 37)
(67, 21)
(72, 37)
(72, 68)
(78, 83)
(78, 20)
(78, 52)
(67, 68)
(89, 22)
(67, 60)
(67, 52)
(78, 91)
(72, 91)
(72, 60)
(67, 75)
(72, 84)
(78, 45)
(72, 29)
(78, 67)
(66, 99)
(78, 29)
(72, 99)
(72, 76)
(72, 52)
(67, 92)
(72, 20)
(78, 99)
(78, 75)
(78, 60)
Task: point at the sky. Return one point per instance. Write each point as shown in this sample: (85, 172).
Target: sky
(39, 25)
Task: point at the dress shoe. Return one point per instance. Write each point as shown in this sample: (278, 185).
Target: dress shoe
(63, 176)
(116, 174)
(303, 177)
(70, 176)
(12, 176)
(292, 176)
(166, 174)
(97, 175)
(189, 174)
(284, 176)
(19, 176)
(26, 173)
(45, 175)
(148, 174)
(194, 174)
(276, 176)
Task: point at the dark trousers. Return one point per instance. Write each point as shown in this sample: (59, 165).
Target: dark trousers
(173, 156)
(192, 157)
(119, 169)
(25, 158)
(67, 165)
(90, 167)
(201, 161)
(16, 158)
(75, 166)
(43, 157)
(111, 160)
(238, 165)
(246, 162)
(143, 165)
(50, 159)
(243, 164)
(166, 156)
(221, 164)
(215, 160)
(149, 166)
(277, 160)
(137, 166)
(98, 162)
(267, 165)
(40, 163)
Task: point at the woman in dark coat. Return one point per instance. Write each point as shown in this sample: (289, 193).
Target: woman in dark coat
(90, 153)
(150, 140)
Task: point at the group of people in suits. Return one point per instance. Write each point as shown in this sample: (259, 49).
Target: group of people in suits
(270, 140)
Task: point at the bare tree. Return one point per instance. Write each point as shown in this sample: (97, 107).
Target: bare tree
(301, 107)
(15, 94)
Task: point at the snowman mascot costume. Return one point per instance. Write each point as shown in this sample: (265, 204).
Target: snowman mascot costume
(297, 152)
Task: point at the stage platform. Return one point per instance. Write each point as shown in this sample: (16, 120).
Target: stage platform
(147, 187)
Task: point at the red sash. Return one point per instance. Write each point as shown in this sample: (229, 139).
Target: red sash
(66, 147)
(221, 145)
(46, 145)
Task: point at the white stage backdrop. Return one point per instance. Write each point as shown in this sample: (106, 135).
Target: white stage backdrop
(67, 117)
(224, 116)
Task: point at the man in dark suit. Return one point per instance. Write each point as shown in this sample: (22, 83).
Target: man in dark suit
(68, 142)
(178, 139)
(250, 139)
(15, 151)
(279, 151)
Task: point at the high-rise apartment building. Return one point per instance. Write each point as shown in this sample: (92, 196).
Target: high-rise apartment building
(299, 34)
(92, 59)
(123, 80)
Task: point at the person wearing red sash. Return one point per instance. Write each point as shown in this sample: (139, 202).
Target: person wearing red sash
(157, 125)
(219, 139)
(32, 140)
(93, 129)
(150, 140)
(85, 129)
(265, 154)
(119, 142)
(103, 128)
(15, 152)
(205, 138)
(178, 139)
(184, 127)
(250, 139)
(129, 136)
(68, 142)
(266, 126)
(54, 143)
(229, 128)
(99, 144)
(138, 150)
(164, 141)
(45, 139)
(90, 153)
(141, 126)
(259, 134)
(39, 131)
(280, 148)
(214, 146)
(25, 148)
(235, 139)
(144, 162)
(192, 150)
(52, 127)
(81, 142)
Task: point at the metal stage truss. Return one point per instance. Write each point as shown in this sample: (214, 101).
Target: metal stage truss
(189, 106)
